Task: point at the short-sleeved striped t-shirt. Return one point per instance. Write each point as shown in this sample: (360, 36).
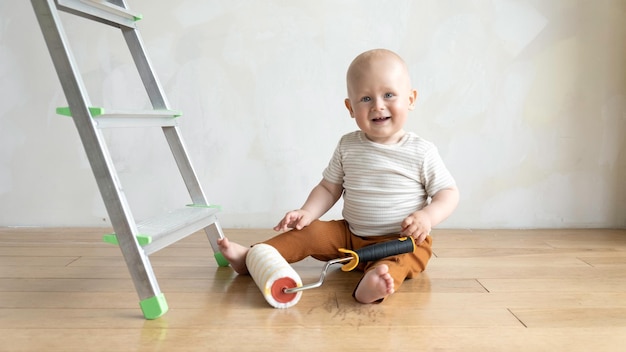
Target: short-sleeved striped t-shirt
(383, 184)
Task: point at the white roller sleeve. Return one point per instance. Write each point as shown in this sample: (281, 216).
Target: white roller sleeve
(272, 273)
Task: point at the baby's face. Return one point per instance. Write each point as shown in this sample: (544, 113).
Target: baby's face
(380, 97)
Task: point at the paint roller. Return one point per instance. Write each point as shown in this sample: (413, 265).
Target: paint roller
(282, 287)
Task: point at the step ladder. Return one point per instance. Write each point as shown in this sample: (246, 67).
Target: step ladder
(136, 240)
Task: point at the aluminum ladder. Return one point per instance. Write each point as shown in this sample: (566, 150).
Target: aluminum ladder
(137, 240)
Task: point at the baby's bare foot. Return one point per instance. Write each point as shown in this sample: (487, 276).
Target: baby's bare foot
(235, 254)
(376, 284)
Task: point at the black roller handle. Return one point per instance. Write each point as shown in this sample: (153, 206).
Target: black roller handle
(386, 249)
(378, 251)
(366, 254)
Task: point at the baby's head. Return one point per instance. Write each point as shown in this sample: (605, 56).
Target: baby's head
(380, 94)
(373, 61)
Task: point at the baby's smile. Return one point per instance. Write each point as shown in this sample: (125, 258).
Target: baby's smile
(381, 119)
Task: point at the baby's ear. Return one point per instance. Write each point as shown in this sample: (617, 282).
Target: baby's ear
(349, 107)
(412, 99)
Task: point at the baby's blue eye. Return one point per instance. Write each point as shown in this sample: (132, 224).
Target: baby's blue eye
(366, 99)
(388, 95)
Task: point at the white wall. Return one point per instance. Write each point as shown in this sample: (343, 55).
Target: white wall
(525, 99)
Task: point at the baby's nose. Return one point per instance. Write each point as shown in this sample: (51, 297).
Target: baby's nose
(379, 104)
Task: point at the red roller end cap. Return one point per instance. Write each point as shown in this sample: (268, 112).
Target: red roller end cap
(279, 285)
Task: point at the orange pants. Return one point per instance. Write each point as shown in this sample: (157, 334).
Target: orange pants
(322, 239)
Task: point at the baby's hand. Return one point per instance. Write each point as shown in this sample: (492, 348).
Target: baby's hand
(416, 225)
(295, 219)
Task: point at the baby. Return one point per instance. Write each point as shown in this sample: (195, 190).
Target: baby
(393, 182)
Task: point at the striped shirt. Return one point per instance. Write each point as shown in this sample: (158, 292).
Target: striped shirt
(383, 184)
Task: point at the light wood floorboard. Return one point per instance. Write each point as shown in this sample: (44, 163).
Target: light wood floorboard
(63, 289)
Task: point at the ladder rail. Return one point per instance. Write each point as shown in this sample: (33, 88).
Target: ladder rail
(177, 146)
(95, 147)
(159, 101)
(150, 81)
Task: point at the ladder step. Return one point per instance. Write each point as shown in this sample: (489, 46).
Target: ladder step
(101, 9)
(176, 225)
(118, 118)
(114, 9)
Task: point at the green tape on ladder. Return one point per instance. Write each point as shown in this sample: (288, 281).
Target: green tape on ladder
(112, 239)
(221, 261)
(154, 307)
(94, 111)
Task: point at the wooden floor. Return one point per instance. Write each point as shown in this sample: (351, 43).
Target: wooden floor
(495, 290)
